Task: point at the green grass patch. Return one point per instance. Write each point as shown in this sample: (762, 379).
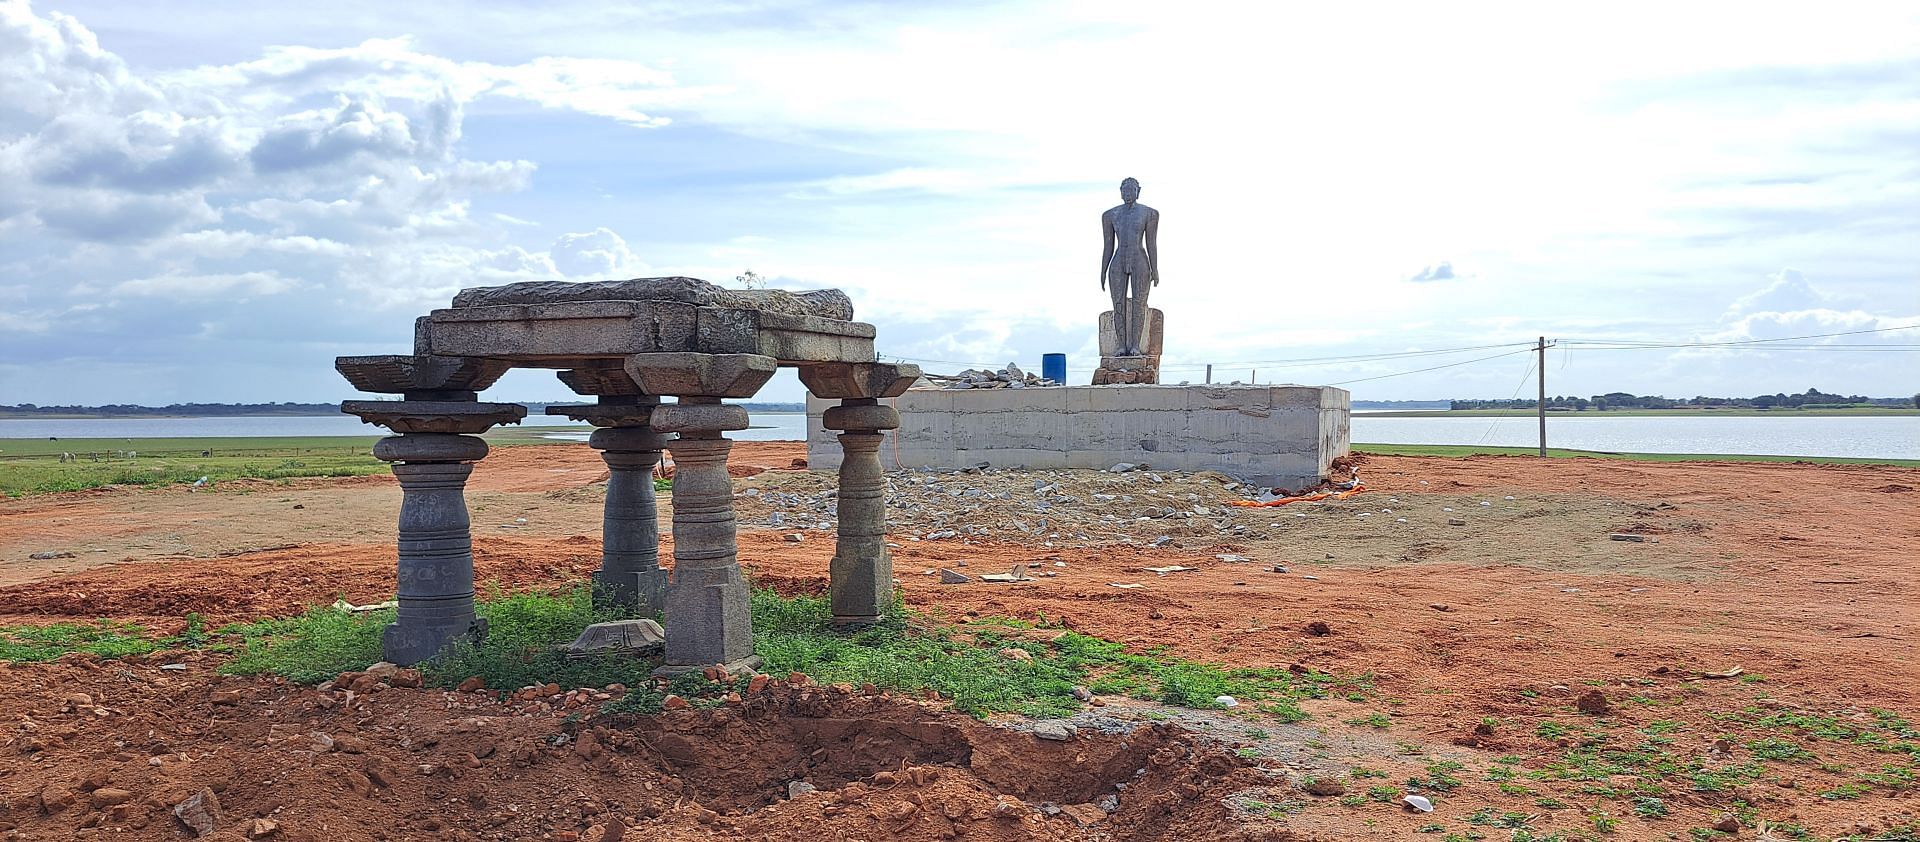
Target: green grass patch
(903, 652)
(34, 466)
(101, 638)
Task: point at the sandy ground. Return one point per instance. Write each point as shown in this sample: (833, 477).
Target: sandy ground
(1799, 575)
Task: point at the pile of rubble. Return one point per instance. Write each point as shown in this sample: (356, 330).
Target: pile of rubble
(1010, 377)
(1050, 508)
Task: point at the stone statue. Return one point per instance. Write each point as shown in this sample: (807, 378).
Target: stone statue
(1130, 265)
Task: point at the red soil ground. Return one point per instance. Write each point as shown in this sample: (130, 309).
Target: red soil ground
(1801, 574)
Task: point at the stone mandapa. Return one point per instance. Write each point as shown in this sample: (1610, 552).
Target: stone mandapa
(628, 344)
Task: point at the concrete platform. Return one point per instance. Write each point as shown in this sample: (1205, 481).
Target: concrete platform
(1282, 436)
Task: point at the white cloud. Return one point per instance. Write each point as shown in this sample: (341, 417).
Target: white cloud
(946, 165)
(196, 286)
(598, 254)
(1442, 271)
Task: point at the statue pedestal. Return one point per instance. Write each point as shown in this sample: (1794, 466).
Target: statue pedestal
(1120, 370)
(1110, 339)
(1132, 368)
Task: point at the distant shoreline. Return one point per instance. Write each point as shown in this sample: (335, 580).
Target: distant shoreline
(1729, 412)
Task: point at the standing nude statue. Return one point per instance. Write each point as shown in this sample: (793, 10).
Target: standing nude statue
(1131, 271)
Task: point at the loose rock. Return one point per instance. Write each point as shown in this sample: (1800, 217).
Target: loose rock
(1058, 730)
(200, 812)
(1326, 787)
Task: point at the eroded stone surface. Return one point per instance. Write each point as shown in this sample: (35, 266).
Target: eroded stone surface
(621, 637)
(435, 416)
(401, 373)
(859, 380)
(826, 303)
(1156, 331)
(713, 375)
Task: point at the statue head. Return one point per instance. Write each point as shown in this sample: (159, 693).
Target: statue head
(1130, 190)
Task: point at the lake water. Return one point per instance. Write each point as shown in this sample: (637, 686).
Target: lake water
(1870, 437)
(768, 426)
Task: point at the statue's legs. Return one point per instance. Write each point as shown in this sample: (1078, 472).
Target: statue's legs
(1137, 321)
(1117, 288)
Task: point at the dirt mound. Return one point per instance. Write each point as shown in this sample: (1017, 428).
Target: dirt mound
(115, 747)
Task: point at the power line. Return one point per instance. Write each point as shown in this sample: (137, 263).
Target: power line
(1531, 362)
(1775, 344)
(1431, 368)
(1633, 343)
(1367, 357)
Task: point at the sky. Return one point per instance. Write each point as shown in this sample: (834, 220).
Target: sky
(208, 201)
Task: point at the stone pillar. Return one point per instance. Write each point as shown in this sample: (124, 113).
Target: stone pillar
(432, 457)
(862, 571)
(707, 603)
(629, 579)
(436, 544)
(862, 583)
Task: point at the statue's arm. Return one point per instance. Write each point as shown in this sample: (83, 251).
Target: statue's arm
(1106, 253)
(1153, 246)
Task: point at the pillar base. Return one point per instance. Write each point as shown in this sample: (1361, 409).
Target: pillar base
(708, 622)
(641, 593)
(853, 624)
(406, 645)
(749, 664)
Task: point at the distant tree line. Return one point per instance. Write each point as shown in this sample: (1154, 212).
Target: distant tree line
(203, 410)
(1810, 399)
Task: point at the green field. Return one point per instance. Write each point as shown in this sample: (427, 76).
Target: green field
(33, 466)
(1873, 411)
(1457, 450)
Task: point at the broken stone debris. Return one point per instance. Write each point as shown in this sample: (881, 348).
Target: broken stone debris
(1011, 377)
(200, 813)
(621, 637)
(1058, 730)
(1017, 574)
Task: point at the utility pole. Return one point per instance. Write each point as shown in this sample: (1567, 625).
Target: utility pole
(1541, 407)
